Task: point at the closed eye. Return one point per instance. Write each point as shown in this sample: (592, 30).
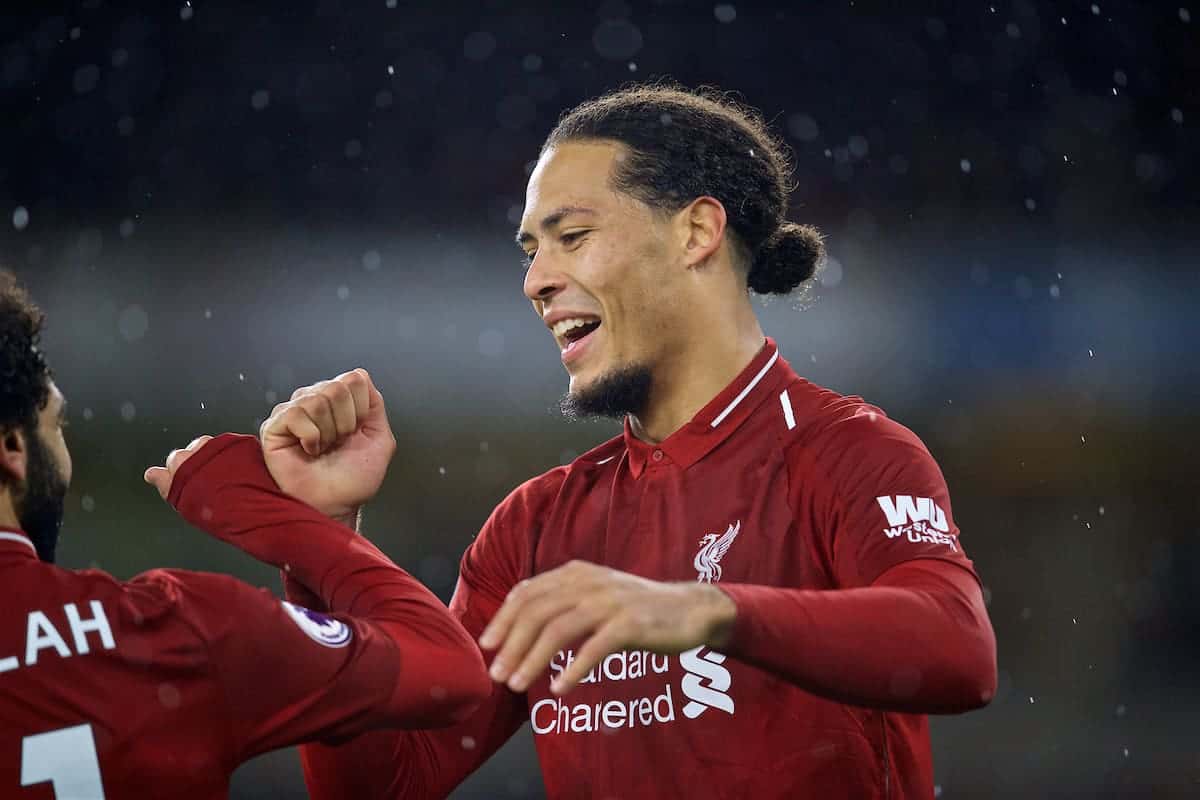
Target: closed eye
(572, 237)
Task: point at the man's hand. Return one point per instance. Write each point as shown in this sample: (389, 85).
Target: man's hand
(330, 445)
(161, 477)
(613, 610)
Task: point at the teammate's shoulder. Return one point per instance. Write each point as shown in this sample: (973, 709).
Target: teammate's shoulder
(151, 589)
(158, 594)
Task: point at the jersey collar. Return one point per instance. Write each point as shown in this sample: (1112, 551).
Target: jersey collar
(15, 543)
(719, 419)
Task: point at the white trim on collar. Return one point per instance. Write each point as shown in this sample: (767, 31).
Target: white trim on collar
(16, 537)
(742, 394)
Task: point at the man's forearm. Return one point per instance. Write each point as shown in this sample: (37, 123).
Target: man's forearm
(240, 504)
(236, 500)
(918, 640)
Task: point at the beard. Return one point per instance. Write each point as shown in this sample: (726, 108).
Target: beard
(623, 391)
(40, 506)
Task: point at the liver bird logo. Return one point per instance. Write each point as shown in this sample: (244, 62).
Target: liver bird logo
(713, 548)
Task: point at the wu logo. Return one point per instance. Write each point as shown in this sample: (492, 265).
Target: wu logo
(713, 548)
(918, 519)
(903, 509)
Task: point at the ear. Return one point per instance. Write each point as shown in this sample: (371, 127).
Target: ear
(703, 223)
(14, 455)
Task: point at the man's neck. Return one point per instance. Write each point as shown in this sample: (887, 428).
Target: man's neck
(684, 387)
(8, 513)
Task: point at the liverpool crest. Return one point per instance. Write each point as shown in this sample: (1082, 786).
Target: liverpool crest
(713, 548)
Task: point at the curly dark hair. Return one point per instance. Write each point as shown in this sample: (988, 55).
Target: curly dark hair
(24, 374)
(687, 143)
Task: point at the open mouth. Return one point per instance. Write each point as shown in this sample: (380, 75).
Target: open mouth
(571, 332)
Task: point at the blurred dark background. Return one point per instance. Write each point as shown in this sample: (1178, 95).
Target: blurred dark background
(218, 202)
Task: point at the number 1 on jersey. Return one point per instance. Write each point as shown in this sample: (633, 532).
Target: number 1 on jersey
(65, 757)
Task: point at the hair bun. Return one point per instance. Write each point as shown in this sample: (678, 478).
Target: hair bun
(787, 259)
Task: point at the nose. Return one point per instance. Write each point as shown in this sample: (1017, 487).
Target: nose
(542, 280)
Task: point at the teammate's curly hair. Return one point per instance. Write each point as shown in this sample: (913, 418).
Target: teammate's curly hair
(688, 143)
(24, 374)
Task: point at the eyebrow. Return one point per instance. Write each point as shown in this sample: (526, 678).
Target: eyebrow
(550, 220)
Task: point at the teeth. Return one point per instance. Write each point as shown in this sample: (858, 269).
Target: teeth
(563, 326)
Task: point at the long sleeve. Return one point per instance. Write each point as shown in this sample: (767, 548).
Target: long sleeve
(418, 765)
(902, 625)
(917, 640)
(421, 765)
(431, 671)
(274, 674)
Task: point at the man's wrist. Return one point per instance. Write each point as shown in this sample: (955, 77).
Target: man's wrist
(720, 615)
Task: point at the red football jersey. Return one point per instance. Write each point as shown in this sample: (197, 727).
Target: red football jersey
(161, 686)
(778, 492)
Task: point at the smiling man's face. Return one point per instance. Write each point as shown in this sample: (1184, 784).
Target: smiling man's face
(601, 275)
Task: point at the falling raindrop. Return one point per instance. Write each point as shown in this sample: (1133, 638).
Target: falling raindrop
(478, 46)
(133, 323)
(725, 13)
(616, 39)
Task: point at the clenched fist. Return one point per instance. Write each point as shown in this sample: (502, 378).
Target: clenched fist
(330, 444)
